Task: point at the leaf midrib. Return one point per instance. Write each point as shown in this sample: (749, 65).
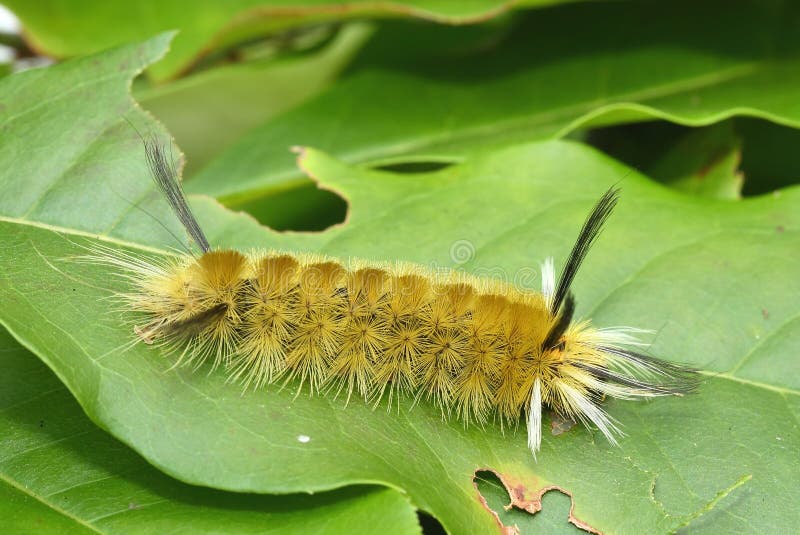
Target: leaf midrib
(21, 488)
(84, 234)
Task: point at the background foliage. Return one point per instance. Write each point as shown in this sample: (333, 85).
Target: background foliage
(429, 123)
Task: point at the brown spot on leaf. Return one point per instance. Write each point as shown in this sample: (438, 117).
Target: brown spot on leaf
(779, 229)
(559, 425)
(711, 163)
(144, 333)
(522, 497)
(765, 313)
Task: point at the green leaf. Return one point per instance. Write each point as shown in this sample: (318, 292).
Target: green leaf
(745, 337)
(65, 28)
(438, 101)
(64, 131)
(692, 268)
(59, 473)
(208, 111)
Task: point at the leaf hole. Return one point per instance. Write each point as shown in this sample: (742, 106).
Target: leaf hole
(413, 168)
(429, 524)
(549, 514)
(305, 208)
(733, 159)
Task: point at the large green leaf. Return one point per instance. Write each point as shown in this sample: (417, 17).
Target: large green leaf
(64, 28)
(59, 473)
(208, 111)
(685, 266)
(560, 69)
(723, 460)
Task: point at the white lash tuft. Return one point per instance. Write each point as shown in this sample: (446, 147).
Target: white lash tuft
(619, 336)
(535, 418)
(548, 281)
(586, 409)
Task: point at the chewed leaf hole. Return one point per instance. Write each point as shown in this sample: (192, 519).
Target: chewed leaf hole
(554, 516)
(560, 425)
(412, 168)
(429, 524)
(305, 208)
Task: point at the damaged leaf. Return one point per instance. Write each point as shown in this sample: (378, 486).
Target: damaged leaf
(443, 99)
(687, 267)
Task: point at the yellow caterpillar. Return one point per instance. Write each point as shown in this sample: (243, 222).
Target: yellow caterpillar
(475, 347)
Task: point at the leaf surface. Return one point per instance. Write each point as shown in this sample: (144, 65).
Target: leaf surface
(62, 474)
(208, 111)
(745, 338)
(437, 99)
(688, 267)
(77, 27)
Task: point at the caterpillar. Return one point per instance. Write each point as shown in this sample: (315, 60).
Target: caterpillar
(477, 348)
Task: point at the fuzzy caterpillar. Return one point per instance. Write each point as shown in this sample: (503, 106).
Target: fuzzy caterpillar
(475, 347)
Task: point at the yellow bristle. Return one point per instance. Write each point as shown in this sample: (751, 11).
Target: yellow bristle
(518, 369)
(473, 397)
(317, 340)
(218, 273)
(271, 311)
(167, 295)
(408, 295)
(366, 290)
(317, 283)
(217, 281)
(449, 306)
(362, 341)
(405, 342)
(275, 277)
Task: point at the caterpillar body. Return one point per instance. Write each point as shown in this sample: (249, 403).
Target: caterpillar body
(475, 347)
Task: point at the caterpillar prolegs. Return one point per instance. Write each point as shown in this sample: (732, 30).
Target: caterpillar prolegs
(475, 347)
